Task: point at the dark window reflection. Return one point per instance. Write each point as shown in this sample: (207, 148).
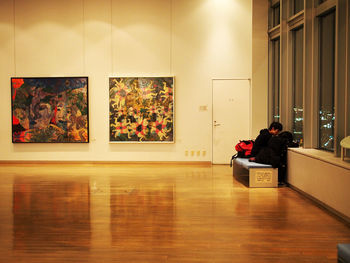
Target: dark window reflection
(326, 81)
(276, 15)
(50, 215)
(298, 5)
(276, 79)
(297, 113)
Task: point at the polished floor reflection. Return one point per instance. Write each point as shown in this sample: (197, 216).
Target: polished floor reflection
(55, 214)
(156, 213)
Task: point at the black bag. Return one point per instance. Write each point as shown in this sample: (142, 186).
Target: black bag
(288, 137)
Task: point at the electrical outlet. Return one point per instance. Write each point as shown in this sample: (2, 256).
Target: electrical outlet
(203, 108)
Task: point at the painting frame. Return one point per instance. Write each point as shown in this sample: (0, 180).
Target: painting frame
(50, 109)
(150, 127)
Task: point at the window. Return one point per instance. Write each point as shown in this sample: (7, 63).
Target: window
(308, 73)
(276, 15)
(326, 81)
(297, 86)
(298, 5)
(275, 79)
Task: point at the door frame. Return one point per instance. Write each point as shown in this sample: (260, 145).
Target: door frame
(212, 109)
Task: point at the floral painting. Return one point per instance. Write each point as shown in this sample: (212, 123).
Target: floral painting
(53, 110)
(141, 109)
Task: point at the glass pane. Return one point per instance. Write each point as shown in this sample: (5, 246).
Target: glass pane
(276, 79)
(326, 79)
(298, 85)
(276, 15)
(298, 6)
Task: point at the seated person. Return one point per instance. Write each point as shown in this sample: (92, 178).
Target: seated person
(269, 148)
(263, 138)
(275, 153)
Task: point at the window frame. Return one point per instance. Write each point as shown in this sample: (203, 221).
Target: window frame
(308, 18)
(319, 73)
(292, 31)
(274, 34)
(294, 22)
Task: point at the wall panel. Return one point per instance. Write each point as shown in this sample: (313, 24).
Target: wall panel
(49, 37)
(195, 41)
(7, 69)
(141, 37)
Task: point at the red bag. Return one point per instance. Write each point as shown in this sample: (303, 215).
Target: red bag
(244, 148)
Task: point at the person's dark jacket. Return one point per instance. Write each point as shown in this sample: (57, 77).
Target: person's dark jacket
(273, 153)
(261, 141)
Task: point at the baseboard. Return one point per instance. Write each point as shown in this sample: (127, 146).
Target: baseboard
(345, 219)
(39, 162)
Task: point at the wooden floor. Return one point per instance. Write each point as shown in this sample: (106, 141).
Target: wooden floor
(156, 213)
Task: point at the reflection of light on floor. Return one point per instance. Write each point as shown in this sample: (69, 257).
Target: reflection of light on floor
(156, 213)
(151, 204)
(42, 213)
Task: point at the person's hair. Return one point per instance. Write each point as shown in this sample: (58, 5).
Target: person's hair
(276, 126)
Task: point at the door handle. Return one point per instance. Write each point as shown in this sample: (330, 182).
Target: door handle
(216, 124)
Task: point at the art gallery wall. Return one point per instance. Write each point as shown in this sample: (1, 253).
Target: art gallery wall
(195, 41)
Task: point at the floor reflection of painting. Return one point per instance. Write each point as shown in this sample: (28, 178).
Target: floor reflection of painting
(50, 109)
(141, 109)
(54, 214)
(154, 207)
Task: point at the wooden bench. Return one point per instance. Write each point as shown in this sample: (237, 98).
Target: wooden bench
(260, 175)
(343, 253)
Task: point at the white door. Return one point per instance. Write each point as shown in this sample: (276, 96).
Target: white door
(231, 117)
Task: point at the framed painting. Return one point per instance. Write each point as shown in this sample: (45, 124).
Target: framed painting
(50, 110)
(141, 109)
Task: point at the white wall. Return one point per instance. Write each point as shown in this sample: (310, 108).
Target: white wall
(260, 66)
(194, 41)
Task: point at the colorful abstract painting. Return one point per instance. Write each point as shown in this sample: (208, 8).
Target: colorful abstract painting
(52, 110)
(141, 109)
